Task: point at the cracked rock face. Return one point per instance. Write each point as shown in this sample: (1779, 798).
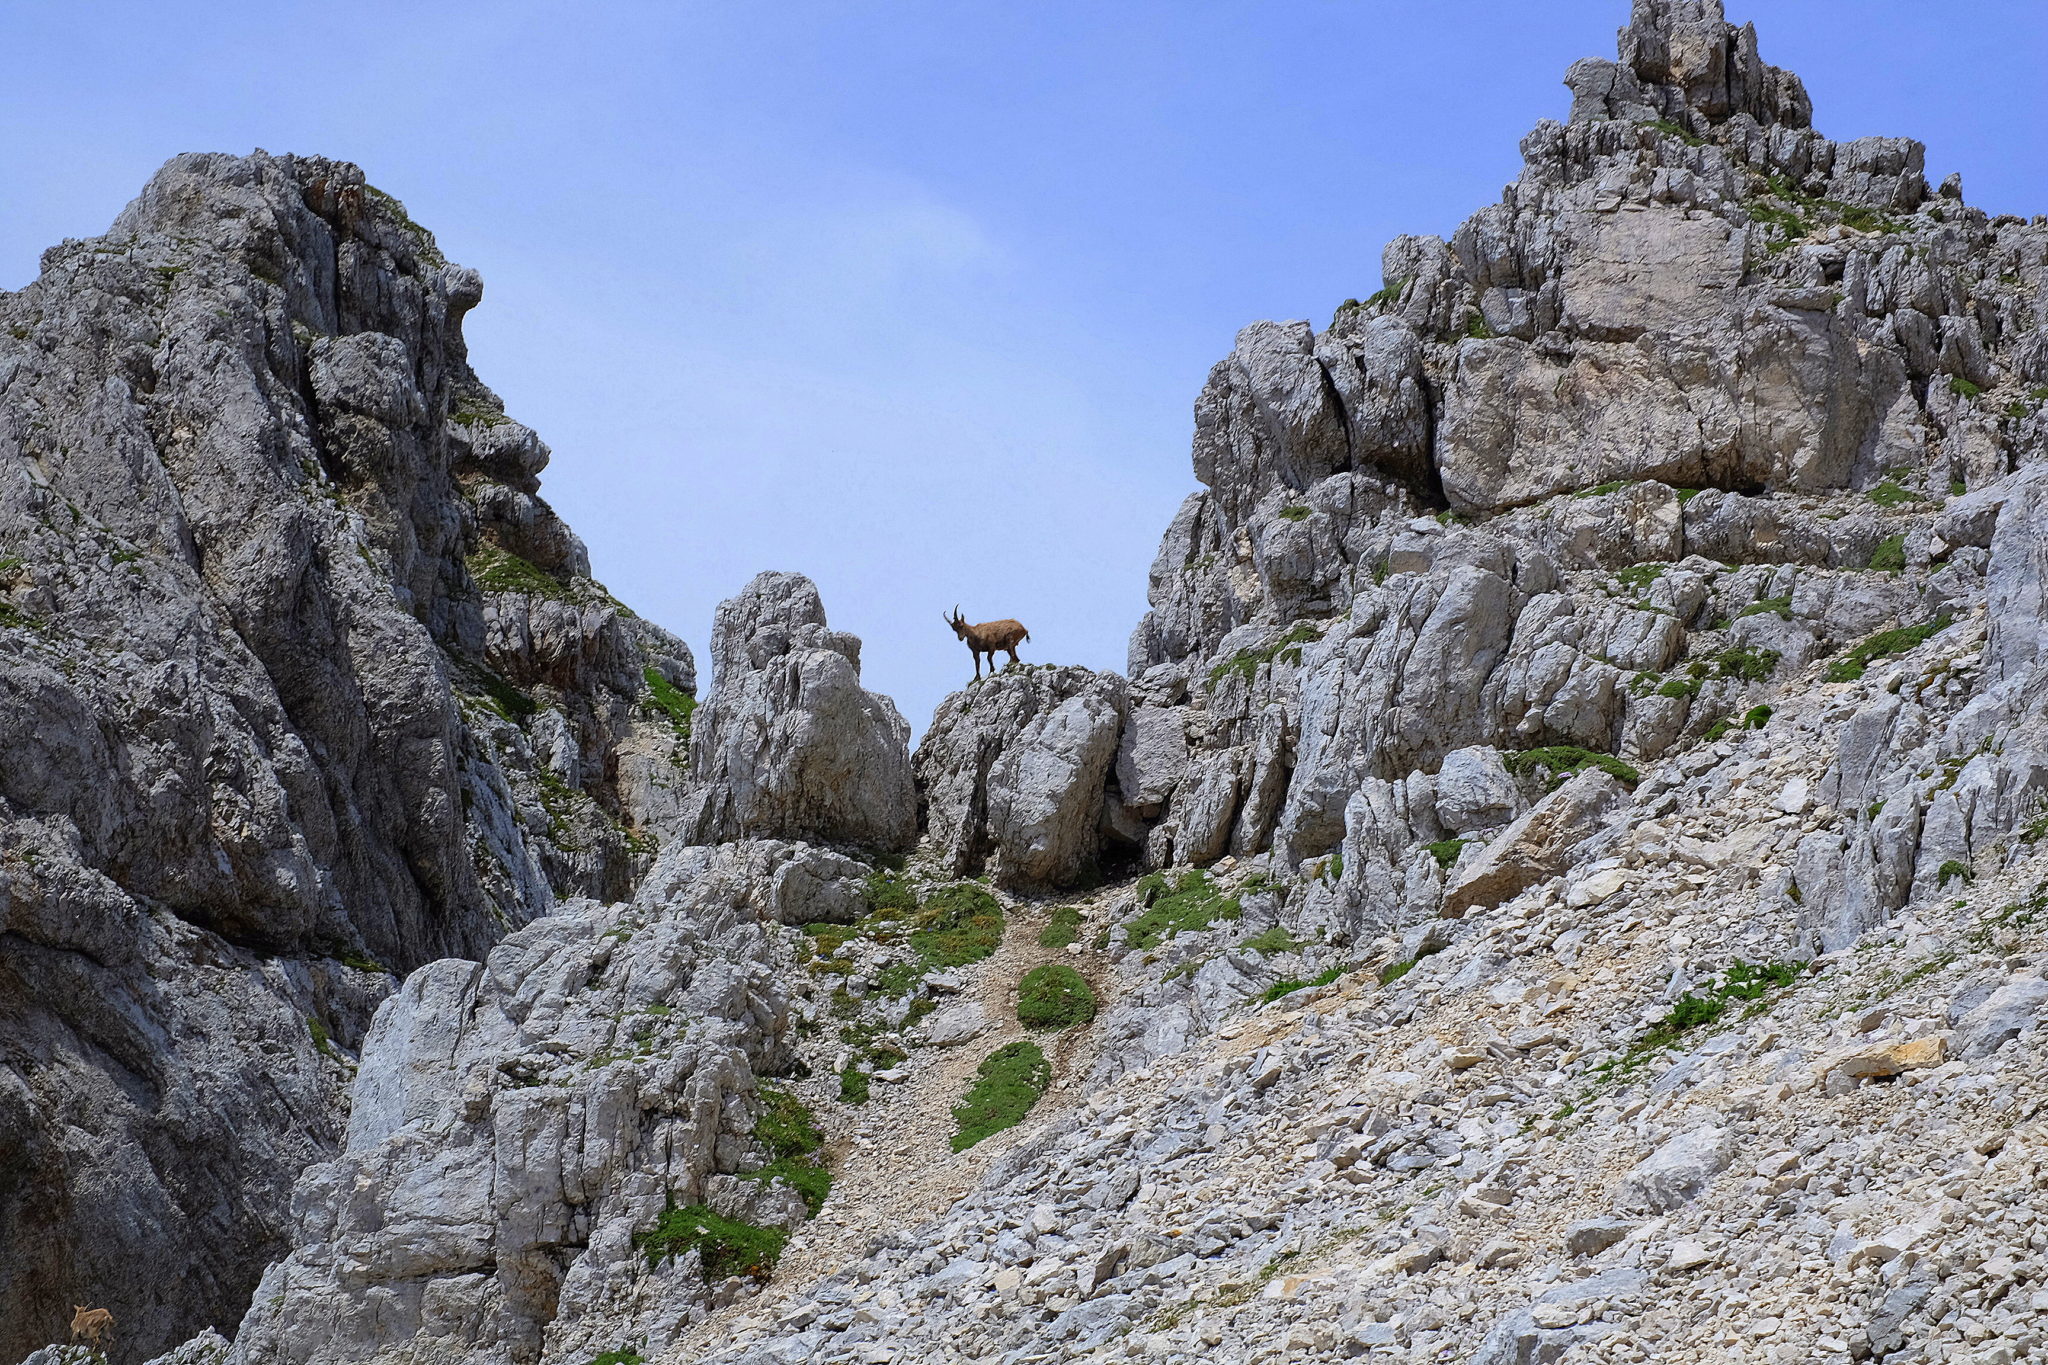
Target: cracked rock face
(1013, 773)
(518, 1120)
(301, 684)
(789, 745)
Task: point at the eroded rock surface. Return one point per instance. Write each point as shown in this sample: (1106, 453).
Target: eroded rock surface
(1013, 773)
(301, 685)
(788, 744)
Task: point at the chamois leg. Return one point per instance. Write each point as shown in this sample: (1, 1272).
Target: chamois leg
(1013, 656)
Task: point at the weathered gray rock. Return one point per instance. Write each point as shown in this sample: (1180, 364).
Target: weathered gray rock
(1013, 773)
(1474, 790)
(2014, 1007)
(789, 745)
(518, 1120)
(296, 669)
(1535, 847)
(1679, 1170)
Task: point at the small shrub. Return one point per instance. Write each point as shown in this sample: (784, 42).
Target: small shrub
(1053, 997)
(1446, 851)
(1883, 644)
(1476, 328)
(1952, 870)
(853, 1085)
(727, 1245)
(1561, 761)
(1686, 688)
(2015, 409)
(619, 1357)
(1246, 663)
(1963, 388)
(1670, 129)
(1062, 929)
(1190, 906)
(1006, 1085)
(1756, 718)
(1294, 513)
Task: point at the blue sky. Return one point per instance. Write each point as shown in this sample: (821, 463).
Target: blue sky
(913, 297)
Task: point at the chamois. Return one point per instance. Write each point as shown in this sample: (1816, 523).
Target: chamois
(987, 638)
(92, 1324)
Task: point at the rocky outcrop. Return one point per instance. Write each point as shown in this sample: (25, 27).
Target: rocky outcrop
(1602, 468)
(301, 685)
(519, 1121)
(788, 745)
(1013, 773)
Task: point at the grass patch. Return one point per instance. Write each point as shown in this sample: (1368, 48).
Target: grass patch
(1890, 494)
(1446, 851)
(956, 926)
(1883, 644)
(1952, 870)
(498, 570)
(1054, 996)
(789, 1135)
(1290, 986)
(1560, 761)
(1190, 906)
(1742, 981)
(1746, 663)
(1685, 688)
(1064, 928)
(727, 1245)
(671, 701)
(1248, 662)
(1637, 578)
(1781, 605)
(1963, 388)
(1274, 941)
(1391, 293)
(1006, 1085)
(1603, 489)
(1294, 513)
(1890, 554)
(1670, 129)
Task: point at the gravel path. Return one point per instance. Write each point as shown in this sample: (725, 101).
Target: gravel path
(892, 1160)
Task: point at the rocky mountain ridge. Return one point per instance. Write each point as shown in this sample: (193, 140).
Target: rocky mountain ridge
(1561, 880)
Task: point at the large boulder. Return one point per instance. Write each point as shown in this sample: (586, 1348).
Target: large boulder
(1536, 847)
(1013, 771)
(789, 745)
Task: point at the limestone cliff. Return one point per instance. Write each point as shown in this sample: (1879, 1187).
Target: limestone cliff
(301, 686)
(1586, 752)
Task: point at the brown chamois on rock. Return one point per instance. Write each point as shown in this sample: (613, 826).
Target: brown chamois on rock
(92, 1325)
(987, 638)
